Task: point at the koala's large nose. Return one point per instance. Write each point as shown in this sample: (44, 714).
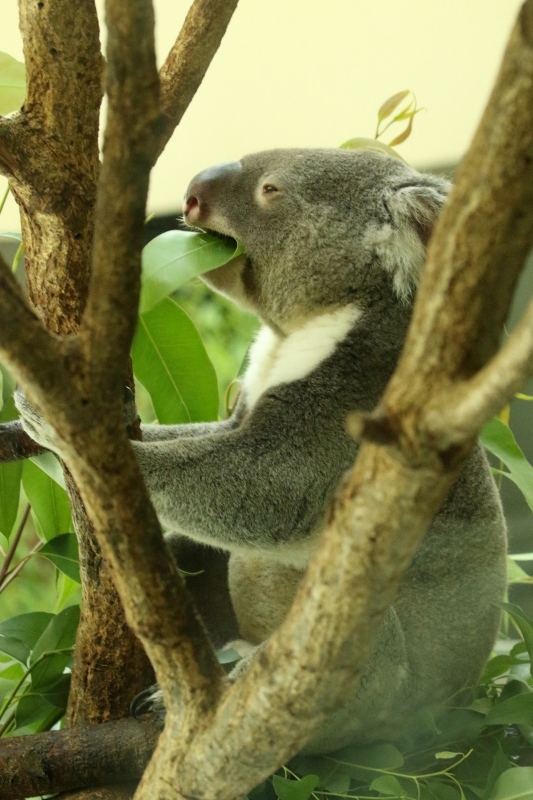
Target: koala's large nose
(204, 188)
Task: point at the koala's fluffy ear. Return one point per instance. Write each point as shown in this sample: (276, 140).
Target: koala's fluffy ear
(401, 243)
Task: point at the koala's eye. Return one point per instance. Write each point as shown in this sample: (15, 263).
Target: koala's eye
(269, 188)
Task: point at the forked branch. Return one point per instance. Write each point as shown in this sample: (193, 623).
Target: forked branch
(189, 59)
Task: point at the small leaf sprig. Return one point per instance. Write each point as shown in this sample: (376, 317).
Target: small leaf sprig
(387, 116)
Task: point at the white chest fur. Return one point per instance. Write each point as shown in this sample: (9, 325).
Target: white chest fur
(275, 360)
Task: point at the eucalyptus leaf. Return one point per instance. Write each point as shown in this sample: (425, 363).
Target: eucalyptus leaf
(170, 361)
(26, 627)
(361, 143)
(500, 765)
(12, 83)
(517, 710)
(499, 440)
(49, 502)
(518, 648)
(172, 259)
(447, 754)
(514, 784)
(12, 673)
(525, 625)
(60, 634)
(49, 463)
(515, 573)
(405, 134)
(437, 790)
(33, 708)
(295, 790)
(497, 666)
(388, 785)
(379, 756)
(10, 475)
(62, 551)
(8, 387)
(392, 103)
(56, 692)
(14, 648)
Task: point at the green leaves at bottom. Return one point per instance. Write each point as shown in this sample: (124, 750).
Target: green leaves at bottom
(388, 785)
(295, 790)
(514, 784)
(516, 710)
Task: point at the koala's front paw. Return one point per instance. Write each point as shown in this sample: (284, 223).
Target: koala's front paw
(148, 701)
(34, 424)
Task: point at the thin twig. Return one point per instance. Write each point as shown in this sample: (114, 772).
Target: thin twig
(188, 61)
(15, 571)
(14, 544)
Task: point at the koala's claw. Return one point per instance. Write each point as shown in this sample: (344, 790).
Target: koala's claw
(130, 409)
(150, 700)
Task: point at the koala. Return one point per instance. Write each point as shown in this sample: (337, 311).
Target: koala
(334, 241)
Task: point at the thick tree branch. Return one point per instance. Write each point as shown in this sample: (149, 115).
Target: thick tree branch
(189, 59)
(76, 757)
(133, 120)
(103, 465)
(15, 444)
(25, 344)
(9, 162)
(58, 126)
(53, 146)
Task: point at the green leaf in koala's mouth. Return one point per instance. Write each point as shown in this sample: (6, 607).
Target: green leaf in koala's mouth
(172, 259)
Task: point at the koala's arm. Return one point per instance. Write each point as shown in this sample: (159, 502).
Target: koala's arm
(164, 433)
(257, 484)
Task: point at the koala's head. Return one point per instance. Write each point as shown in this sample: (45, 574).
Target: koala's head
(320, 228)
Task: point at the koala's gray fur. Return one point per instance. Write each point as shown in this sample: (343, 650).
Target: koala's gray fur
(333, 242)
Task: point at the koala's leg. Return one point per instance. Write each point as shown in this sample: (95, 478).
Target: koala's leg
(378, 706)
(209, 588)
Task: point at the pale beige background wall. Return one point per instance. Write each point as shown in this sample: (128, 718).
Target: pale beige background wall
(295, 73)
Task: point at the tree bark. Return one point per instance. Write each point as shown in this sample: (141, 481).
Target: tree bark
(92, 756)
(49, 151)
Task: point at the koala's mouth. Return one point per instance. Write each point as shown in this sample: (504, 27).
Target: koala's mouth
(222, 236)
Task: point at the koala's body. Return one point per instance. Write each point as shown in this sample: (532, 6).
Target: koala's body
(333, 244)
